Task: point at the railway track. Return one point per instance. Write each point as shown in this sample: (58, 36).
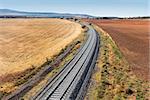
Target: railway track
(70, 83)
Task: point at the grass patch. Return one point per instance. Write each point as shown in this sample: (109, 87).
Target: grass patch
(112, 78)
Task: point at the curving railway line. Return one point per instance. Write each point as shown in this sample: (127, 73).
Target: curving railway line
(71, 82)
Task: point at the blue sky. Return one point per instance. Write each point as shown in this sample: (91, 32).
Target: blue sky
(92, 7)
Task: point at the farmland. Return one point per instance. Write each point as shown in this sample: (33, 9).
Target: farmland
(133, 40)
(25, 43)
(112, 78)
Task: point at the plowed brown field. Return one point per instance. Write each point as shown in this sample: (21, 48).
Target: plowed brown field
(132, 37)
(27, 42)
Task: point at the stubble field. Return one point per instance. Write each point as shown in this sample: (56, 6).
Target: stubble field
(28, 42)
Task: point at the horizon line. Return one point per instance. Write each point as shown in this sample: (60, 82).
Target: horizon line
(72, 13)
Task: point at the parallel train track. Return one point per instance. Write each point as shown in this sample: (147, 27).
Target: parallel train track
(70, 83)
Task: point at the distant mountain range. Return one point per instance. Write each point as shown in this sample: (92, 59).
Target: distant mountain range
(9, 12)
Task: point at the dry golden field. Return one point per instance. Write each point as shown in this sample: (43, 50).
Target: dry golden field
(28, 42)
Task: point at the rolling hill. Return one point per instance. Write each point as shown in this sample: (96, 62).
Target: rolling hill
(9, 12)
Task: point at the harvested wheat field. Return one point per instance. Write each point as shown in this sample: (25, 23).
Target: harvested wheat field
(132, 37)
(28, 42)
